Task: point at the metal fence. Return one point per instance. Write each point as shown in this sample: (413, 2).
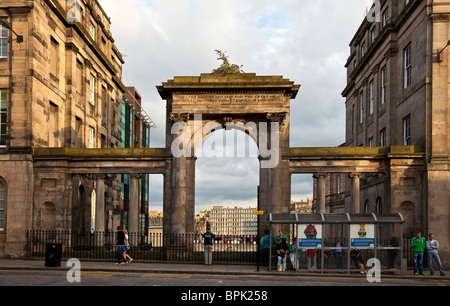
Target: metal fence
(100, 246)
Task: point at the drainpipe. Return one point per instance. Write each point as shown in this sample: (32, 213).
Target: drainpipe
(10, 42)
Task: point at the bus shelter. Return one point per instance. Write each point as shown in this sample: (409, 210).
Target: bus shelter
(330, 242)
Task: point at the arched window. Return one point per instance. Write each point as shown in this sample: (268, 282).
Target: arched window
(379, 206)
(367, 207)
(2, 206)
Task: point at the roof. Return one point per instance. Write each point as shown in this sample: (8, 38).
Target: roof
(330, 218)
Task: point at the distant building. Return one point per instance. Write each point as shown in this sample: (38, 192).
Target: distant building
(136, 125)
(302, 206)
(233, 221)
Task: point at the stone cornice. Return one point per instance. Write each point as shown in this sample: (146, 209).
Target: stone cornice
(244, 83)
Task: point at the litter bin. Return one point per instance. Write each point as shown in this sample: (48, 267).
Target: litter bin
(53, 254)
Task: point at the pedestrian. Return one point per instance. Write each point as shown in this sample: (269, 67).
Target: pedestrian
(326, 253)
(120, 243)
(126, 247)
(282, 249)
(355, 255)
(280, 236)
(311, 259)
(418, 247)
(432, 248)
(266, 242)
(294, 254)
(392, 253)
(338, 252)
(208, 240)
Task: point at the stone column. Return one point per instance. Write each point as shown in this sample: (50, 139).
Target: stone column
(100, 204)
(179, 195)
(356, 199)
(133, 210)
(320, 202)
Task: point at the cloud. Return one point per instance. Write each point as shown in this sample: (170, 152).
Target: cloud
(306, 41)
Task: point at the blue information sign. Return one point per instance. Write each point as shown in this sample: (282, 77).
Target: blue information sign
(310, 243)
(362, 242)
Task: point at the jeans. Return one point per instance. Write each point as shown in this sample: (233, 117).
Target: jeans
(279, 262)
(438, 262)
(340, 265)
(266, 257)
(208, 254)
(418, 262)
(119, 254)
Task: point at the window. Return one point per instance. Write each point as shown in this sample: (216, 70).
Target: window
(2, 205)
(54, 57)
(3, 42)
(338, 183)
(79, 132)
(407, 130)
(91, 137)
(383, 137)
(92, 90)
(370, 142)
(379, 206)
(363, 50)
(53, 130)
(371, 98)
(361, 107)
(79, 78)
(383, 85)
(3, 116)
(385, 18)
(372, 36)
(407, 66)
(92, 31)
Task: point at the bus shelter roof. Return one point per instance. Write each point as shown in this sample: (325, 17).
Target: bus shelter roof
(334, 218)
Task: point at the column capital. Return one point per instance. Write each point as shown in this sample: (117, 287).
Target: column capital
(135, 176)
(355, 175)
(100, 176)
(319, 175)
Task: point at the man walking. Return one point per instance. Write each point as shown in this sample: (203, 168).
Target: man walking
(432, 248)
(418, 247)
(208, 238)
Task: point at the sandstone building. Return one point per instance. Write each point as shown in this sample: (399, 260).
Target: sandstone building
(397, 95)
(60, 87)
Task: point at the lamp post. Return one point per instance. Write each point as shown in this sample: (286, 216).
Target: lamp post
(8, 26)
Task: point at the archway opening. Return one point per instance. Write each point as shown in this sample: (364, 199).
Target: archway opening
(226, 188)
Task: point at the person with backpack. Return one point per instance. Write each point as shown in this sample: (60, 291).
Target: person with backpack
(208, 239)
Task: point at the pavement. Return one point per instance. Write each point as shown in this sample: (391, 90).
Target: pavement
(180, 268)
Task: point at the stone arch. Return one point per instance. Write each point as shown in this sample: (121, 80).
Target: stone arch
(240, 101)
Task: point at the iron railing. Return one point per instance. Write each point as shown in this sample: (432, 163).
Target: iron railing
(100, 246)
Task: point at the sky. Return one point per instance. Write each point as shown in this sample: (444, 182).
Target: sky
(306, 41)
